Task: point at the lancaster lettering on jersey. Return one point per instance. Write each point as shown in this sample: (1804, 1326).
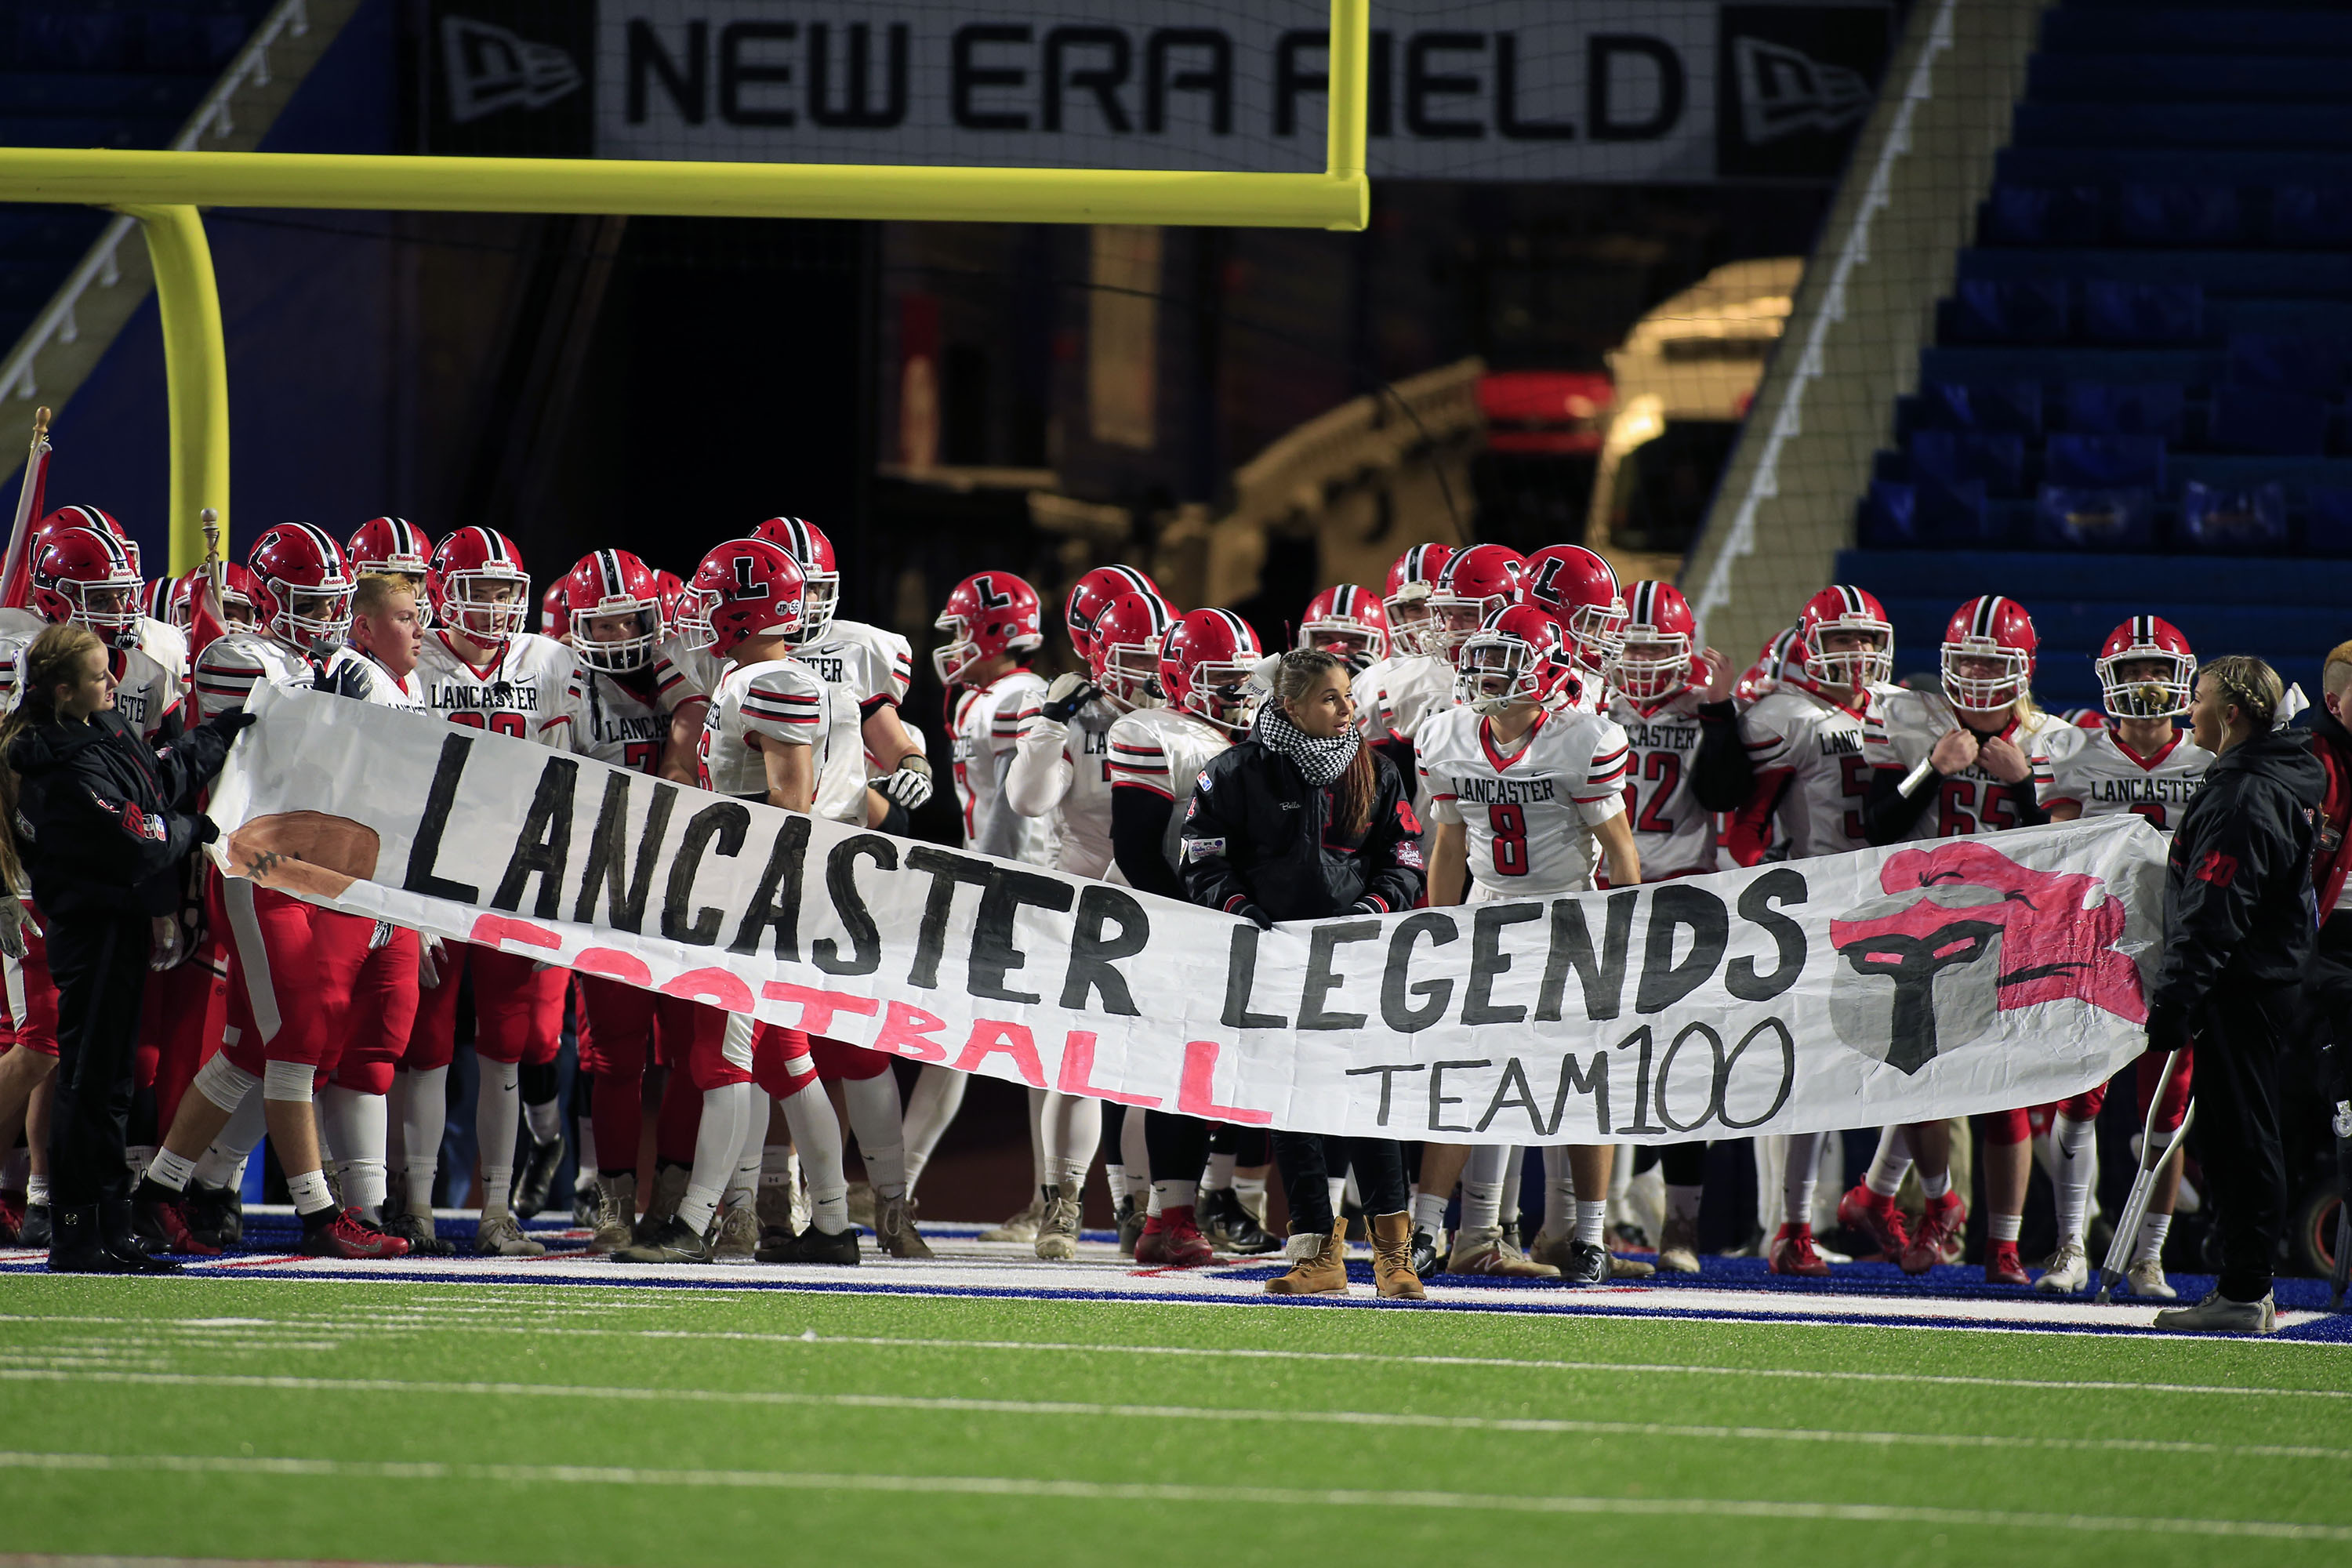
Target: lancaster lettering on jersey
(626, 727)
(1652, 736)
(829, 664)
(2142, 791)
(1839, 742)
(497, 697)
(1504, 792)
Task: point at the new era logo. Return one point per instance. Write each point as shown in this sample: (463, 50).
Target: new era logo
(1783, 90)
(489, 67)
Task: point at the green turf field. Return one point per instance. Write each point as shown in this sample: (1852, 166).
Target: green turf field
(526, 1424)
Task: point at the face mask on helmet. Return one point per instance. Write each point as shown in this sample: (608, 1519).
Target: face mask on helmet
(1492, 672)
(1984, 680)
(488, 606)
(1351, 644)
(1850, 660)
(1413, 622)
(695, 608)
(318, 619)
(1599, 632)
(1223, 695)
(111, 610)
(1128, 673)
(619, 640)
(1648, 667)
(2147, 685)
(820, 593)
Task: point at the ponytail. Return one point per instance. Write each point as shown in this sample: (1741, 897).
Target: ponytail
(46, 664)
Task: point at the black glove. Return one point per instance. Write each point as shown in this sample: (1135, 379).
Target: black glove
(346, 680)
(207, 830)
(1069, 693)
(228, 724)
(2168, 1027)
(1256, 917)
(1365, 907)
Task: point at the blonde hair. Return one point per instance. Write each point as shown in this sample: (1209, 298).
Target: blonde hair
(375, 590)
(2253, 686)
(48, 662)
(2337, 673)
(1300, 671)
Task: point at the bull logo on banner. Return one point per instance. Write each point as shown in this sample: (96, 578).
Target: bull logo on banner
(1963, 934)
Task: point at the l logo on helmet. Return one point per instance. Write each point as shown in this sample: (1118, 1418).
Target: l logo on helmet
(746, 586)
(990, 599)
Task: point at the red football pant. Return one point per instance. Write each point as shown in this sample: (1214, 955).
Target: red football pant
(518, 1010)
(622, 1028)
(291, 970)
(2084, 1106)
(381, 1016)
(32, 995)
(191, 1006)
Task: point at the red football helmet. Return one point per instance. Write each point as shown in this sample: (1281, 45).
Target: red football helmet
(812, 552)
(1346, 620)
(555, 611)
(477, 586)
(1785, 653)
(672, 590)
(1653, 660)
(1577, 589)
(389, 544)
(1123, 652)
(1503, 661)
(745, 588)
(1096, 592)
(988, 613)
(611, 591)
(1411, 580)
(1205, 666)
(85, 575)
(300, 588)
(1988, 654)
(1475, 583)
(2085, 718)
(1844, 608)
(2160, 692)
(91, 518)
(240, 593)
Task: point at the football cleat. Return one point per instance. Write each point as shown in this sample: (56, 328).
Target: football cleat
(2146, 1277)
(343, 1233)
(160, 1216)
(215, 1215)
(669, 1188)
(1629, 1268)
(1172, 1239)
(1428, 1254)
(1866, 1213)
(1678, 1247)
(586, 1206)
(861, 1207)
(1494, 1254)
(1944, 1225)
(2002, 1266)
(676, 1242)
(1131, 1225)
(2065, 1273)
(1793, 1252)
(1057, 1233)
(417, 1229)
(616, 1213)
(1230, 1227)
(894, 1229)
(11, 1217)
(38, 1229)
(810, 1246)
(500, 1236)
(1587, 1265)
(2216, 1314)
(1022, 1227)
(535, 1183)
(737, 1238)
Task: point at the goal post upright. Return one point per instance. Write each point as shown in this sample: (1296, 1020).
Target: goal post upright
(164, 189)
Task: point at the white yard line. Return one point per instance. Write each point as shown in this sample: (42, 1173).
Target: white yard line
(1060, 1408)
(1773, 1509)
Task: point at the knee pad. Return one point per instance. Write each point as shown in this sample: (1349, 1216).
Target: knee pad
(224, 1083)
(288, 1081)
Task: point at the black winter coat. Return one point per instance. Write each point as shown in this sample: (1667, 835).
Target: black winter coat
(2237, 901)
(103, 821)
(1258, 833)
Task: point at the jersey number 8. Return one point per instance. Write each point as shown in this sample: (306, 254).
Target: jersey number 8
(1510, 829)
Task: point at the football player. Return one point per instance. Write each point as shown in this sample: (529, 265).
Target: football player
(292, 966)
(1347, 621)
(1395, 693)
(1522, 793)
(481, 669)
(2145, 764)
(1157, 753)
(393, 547)
(1579, 589)
(160, 638)
(1961, 761)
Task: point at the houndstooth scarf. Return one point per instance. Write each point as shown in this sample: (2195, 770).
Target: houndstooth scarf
(1322, 761)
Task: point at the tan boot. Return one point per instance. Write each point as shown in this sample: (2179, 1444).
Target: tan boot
(1319, 1264)
(1393, 1258)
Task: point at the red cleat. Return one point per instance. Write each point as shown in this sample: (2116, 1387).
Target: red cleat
(166, 1221)
(1173, 1240)
(349, 1236)
(1864, 1213)
(1940, 1229)
(1793, 1252)
(12, 1220)
(2001, 1265)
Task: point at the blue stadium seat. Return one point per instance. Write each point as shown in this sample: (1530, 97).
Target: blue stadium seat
(2074, 517)
(2120, 367)
(2104, 408)
(1995, 459)
(2120, 312)
(2159, 29)
(2118, 78)
(2268, 419)
(2181, 125)
(2011, 406)
(2147, 213)
(2009, 310)
(2327, 526)
(2298, 361)
(2253, 520)
(2105, 462)
(2312, 214)
(2275, 274)
(2044, 215)
(1928, 512)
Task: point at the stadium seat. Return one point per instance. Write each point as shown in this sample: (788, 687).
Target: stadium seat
(2327, 526)
(2044, 215)
(2103, 409)
(2105, 462)
(2268, 419)
(2073, 517)
(2122, 313)
(2009, 310)
(2011, 406)
(2240, 521)
(2149, 214)
(2312, 214)
(2296, 361)
(1995, 459)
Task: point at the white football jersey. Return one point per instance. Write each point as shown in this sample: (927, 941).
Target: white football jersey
(1673, 834)
(841, 778)
(623, 719)
(2095, 769)
(232, 664)
(777, 701)
(875, 665)
(1165, 751)
(167, 645)
(988, 721)
(1808, 750)
(1394, 695)
(386, 690)
(1528, 814)
(145, 692)
(524, 690)
(1903, 727)
(1081, 817)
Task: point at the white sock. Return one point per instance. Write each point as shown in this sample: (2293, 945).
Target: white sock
(1682, 1203)
(2148, 1245)
(1166, 1196)
(1251, 1190)
(584, 1140)
(1515, 1171)
(1338, 1186)
(1117, 1176)
(1219, 1177)
(2070, 1153)
(136, 1157)
(498, 1122)
(932, 1103)
(1936, 1185)
(874, 1116)
(1482, 1186)
(1072, 1129)
(172, 1170)
(777, 1167)
(1799, 1176)
(1037, 1097)
(358, 1123)
(420, 1104)
(1891, 1164)
(726, 1111)
(545, 1121)
(309, 1193)
(36, 1194)
(1591, 1219)
(743, 1182)
(1429, 1212)
(816, 1134)
(1559, 1191)
(2003, 1226)
(222, 1165)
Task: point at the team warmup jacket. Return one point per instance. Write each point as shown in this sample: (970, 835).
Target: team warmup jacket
(1258, 833)
(107, 822)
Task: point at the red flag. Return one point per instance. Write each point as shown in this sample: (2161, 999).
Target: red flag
(17, 574)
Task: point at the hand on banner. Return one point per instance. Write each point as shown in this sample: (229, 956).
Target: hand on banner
(2168, 1029)
(910, 785)
(1256, 917)
(15, 925)
(229, 725)
(1065, 697)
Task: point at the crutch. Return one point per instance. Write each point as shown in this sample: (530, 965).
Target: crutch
(2153, 1153)
(2336, 1276)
